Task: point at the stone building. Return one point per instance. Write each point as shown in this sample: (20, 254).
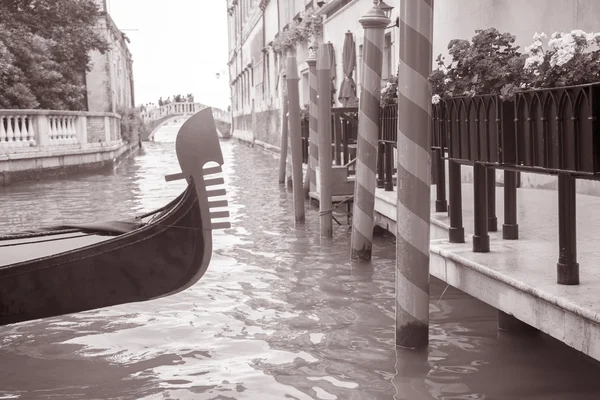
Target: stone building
(254, 67)
(110, 81)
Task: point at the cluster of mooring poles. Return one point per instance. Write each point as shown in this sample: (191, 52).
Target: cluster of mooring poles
(414, 157)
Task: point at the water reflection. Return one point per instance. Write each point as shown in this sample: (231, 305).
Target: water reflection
(279, 314)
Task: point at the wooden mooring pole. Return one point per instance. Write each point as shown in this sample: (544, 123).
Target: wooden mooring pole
(374, 24)
(284, 134)
(295, 137)
(313, 145)
(414, 174)
(324, 124)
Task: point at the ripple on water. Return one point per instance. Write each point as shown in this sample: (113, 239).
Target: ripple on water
(280, 313)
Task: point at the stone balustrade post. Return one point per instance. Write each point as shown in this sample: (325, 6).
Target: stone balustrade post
(42, 130)
(81, 129)
(106, 129)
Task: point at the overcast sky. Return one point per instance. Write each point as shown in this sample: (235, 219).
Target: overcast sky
(178, 48)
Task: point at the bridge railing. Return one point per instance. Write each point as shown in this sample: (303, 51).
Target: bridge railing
(24, 131)
(157, 113)
(171, 109)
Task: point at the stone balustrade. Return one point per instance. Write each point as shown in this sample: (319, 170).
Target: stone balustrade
(171, 109)
(34, 130)
(157, 113)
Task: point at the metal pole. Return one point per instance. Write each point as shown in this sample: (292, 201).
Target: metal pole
(441, 205)
(295, 137)
(284, 134)
(567, 266)
(374, 24)
(457, 231)
(510, 228)
(324, 124)
(313, 110)
(481, 238)
(491, 198)
(414, 174)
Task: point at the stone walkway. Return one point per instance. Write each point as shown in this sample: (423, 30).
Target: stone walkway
(519, 276)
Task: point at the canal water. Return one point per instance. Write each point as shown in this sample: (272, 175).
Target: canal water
(280, 314)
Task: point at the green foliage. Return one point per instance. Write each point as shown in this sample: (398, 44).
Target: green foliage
(488, 64)
(389, 93)
(44, 52)
(178, 98)
(491, 64)
(567, 60)
(299, 32)
(132, 125)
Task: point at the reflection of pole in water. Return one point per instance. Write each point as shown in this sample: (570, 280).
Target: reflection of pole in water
(412, 369)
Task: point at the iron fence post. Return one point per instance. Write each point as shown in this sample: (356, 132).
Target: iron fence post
(481, 239)
(441, 205)
(510, 229)
(567, 266)
(380, 164)
(389, 167)
(456, 231)
(491, 200)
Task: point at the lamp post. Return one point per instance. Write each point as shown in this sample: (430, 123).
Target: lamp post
(374, 24)
(386, 8)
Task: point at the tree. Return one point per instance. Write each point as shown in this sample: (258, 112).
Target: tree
(160, 102)
(45, 50)
(190, 98)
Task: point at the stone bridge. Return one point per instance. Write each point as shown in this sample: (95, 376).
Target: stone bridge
(155, 118)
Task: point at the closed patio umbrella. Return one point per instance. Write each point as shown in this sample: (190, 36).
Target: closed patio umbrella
(347, 95)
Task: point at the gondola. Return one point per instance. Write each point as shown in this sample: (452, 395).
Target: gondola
(73, 268)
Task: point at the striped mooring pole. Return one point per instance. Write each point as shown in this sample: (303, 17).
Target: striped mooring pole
(324, 120)
(414, 174)
(374, 24)
(313, 111)
(295, 137)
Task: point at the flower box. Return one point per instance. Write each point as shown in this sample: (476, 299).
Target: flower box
(557, 129)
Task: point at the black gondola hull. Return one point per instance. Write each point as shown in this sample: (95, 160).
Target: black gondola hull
(156, 260)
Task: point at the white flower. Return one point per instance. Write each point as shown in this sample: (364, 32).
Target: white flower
(555, 35)
(562, 56)
(539, 36)
(435, 99)
(447, 80)
(568, 39)
(592, 37)
(533, 61)
(578, 33)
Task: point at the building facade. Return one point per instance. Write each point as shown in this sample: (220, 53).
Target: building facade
(256, 70)
(109, 84)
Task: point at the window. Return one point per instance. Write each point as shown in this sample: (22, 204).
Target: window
(276, 73)
(266, 77)
(387, 57)
(359, 69)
